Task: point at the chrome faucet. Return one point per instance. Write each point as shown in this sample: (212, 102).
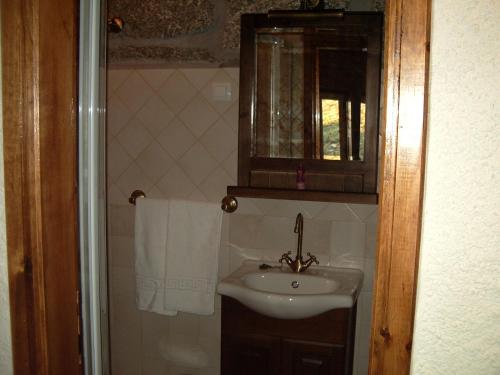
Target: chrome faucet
(299, 264)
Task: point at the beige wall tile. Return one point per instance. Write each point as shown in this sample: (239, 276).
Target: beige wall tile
(118, 115)
(348, 239)
(177, 91)
(115, 77)
(121, 220)
(316, 236)
(118, 160)
(220, 140)
(172, 139)
(198, 115)
(155, 115)
(230, 165)
(132, 179)
(176, 184)
(124, 361)
(231, 116)
(185, 324)
(371, 235)
(121, 251)
(154, 366)
(155, 327)
(134, 92)
(123, 281)
(363, 211)
(115, 196)
(210, 326)
(134, 137)
(154, 161)
(368, 273)
(155, 77)
(199, 77)
(215, 184)
(244, 230)
(197, 163)
(125, 323)
(176, 139)
(337, 212)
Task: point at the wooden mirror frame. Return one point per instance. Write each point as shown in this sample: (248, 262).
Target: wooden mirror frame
(326, 176)
(39, 126)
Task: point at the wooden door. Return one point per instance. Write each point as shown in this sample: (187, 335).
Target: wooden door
(250, 355)
(311, 358)
(39, 69)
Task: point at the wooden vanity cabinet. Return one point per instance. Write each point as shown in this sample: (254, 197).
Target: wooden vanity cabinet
(256, 344)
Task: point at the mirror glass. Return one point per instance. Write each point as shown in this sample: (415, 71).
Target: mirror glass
(278, 126)
(311, 100)
(342, 103)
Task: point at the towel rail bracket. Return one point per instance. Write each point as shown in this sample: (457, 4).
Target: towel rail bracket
(229, 204)
(136, 194)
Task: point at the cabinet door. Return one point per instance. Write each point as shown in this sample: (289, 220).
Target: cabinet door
(310, 358)
(250, 355)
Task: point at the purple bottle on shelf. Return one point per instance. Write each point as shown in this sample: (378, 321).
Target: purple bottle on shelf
(301, 178)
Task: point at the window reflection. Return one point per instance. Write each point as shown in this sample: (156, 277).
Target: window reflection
(343, 129)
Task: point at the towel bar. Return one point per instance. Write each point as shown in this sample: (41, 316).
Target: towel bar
(136, 194)
(229, 204)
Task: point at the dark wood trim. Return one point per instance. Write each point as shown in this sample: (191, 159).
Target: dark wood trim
(407, 33)
(39, 47)
(247, 90)
(362, 28)
(302, 195)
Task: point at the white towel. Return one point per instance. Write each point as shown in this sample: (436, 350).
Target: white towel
(151, 220)
(193, 241)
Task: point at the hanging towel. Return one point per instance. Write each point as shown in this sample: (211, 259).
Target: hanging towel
(193, 241)
(151, 220)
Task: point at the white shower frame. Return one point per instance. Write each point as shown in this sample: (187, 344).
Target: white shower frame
(92, 187)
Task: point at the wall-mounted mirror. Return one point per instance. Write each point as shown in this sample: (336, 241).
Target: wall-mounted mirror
(309, 96)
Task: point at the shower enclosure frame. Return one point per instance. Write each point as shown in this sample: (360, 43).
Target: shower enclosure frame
(92, 187)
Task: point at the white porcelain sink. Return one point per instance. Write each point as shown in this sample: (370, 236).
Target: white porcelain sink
(281, 293)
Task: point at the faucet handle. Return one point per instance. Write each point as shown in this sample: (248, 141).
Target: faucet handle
(285, 257)
(313, 258)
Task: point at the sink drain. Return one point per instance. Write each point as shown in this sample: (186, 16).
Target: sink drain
(295, 284)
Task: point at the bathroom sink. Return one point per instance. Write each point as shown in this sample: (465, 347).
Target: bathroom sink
(281, 293)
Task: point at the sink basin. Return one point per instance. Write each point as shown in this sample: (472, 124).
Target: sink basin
(281, 293)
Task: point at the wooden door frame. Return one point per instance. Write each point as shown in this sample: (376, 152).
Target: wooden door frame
(39, 51)
(39, 46)
(406, 66)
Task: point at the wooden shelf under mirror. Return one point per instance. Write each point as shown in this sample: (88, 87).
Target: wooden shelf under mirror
(302, 195)
(309, 99)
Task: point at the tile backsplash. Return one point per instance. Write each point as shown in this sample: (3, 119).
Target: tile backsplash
(173, 133)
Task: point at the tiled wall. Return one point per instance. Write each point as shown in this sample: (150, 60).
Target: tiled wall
(173, 133)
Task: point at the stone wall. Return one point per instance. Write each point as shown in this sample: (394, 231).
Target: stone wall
(196, 33)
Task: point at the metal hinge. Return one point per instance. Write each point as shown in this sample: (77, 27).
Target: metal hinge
(79, 328)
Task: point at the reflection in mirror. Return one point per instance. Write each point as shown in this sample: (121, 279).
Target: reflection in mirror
(278, 129)
(342, 104)
(280, 112)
